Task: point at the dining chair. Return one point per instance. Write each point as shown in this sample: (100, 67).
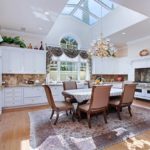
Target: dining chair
(69, 85)
(57, 106)
(125, 100)
(90, 84)
(98, 103)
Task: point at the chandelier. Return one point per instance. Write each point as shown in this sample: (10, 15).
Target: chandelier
(102, 47)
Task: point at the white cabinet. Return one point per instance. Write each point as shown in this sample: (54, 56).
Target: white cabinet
(40, 63)
(23, 61)
(13, 96)
(34, 95)
(104, 65)
(1, 100)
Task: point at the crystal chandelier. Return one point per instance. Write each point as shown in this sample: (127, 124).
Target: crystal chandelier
(102, 47)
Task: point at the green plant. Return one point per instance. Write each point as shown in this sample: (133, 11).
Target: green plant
(16, 40)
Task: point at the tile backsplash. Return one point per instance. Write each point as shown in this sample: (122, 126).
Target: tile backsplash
(17, 79)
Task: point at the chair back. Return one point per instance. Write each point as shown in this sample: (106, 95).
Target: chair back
(49, 96)
(128, 93)
(69, 85)
(90, 84)
(100, 97)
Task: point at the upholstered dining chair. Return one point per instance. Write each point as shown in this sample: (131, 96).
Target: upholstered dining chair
(57, 106)
(69, 85)
(98, 103)
(125, 100)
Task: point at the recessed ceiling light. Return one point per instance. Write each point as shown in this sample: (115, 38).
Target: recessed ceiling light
(40, 28)
(123, 33)
(46, 13)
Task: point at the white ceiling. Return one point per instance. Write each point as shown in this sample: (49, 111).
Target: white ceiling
(136, 31)
(33, 16)
(38, 17)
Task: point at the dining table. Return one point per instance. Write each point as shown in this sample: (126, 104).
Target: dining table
(85, 94)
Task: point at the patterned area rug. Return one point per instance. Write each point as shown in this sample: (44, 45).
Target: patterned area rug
(68, 135)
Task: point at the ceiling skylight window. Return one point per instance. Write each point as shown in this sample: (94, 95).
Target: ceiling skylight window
(88, 11)
(73, 1)
(67, 10)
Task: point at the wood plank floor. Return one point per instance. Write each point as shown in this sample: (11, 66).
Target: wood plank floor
(14, 131)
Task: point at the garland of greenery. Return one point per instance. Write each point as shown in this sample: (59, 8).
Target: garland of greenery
(16, 40)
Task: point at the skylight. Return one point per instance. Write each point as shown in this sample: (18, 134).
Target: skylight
(88, 11)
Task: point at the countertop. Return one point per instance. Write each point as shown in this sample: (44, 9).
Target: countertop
(34, 85)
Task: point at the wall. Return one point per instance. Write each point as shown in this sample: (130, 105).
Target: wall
(119, 19)
(137, 61)
(66, 25)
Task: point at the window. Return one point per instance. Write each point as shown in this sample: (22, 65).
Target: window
(83, 68)
(53, 70)
(69, 42)
(61, 70)
(88, 11)
(68, 70)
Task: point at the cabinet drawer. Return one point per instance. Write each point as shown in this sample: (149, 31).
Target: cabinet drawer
(13, 102)
(32, 100)
(33, 91)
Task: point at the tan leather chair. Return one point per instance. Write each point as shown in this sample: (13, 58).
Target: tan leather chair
(57, 106)
(98, 103)
(125, 100)
(69, 85)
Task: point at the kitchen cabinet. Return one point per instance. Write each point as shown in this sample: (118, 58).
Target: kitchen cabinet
(13, 96)
(34, 95)
(1, 100)
(23, 61)
(104, 65)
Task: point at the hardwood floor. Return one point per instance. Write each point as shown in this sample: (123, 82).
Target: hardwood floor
(14, 131)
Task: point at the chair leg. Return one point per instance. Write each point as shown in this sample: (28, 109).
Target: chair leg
(66, 112)
(104, 114)
(73, 114)
(52, 114)
(79, 115)
(56, 117)
(118, 112)
(89, 119)
(129, 109)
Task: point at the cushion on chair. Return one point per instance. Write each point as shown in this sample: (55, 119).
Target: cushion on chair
(63, 105)
(84, 107)
(114, 102)
(71, 100)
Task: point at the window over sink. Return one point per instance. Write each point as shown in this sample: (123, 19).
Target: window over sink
(61, 69)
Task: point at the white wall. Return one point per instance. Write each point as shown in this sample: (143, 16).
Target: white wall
(119, 19)
(137, 61)
(66, 25)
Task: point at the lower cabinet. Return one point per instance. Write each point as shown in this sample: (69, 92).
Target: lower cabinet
(13, 96)
(20, 96)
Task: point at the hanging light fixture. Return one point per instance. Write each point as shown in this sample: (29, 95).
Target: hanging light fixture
(102, 47)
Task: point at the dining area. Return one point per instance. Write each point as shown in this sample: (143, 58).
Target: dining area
(90, 102)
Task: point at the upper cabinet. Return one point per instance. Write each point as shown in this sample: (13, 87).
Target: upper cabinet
(110, 65)
(104, 65)
(23, 61)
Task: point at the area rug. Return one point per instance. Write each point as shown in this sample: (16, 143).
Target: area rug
(68, 135)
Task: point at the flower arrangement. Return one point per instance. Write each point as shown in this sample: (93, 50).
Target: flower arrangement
(16, 40)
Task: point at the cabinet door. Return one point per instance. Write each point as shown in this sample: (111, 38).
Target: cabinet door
(29, 62)
(12, 61)
(40, 63)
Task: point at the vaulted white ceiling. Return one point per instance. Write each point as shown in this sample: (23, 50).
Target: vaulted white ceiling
(31, 16)
(136, 31)
(39, 16)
